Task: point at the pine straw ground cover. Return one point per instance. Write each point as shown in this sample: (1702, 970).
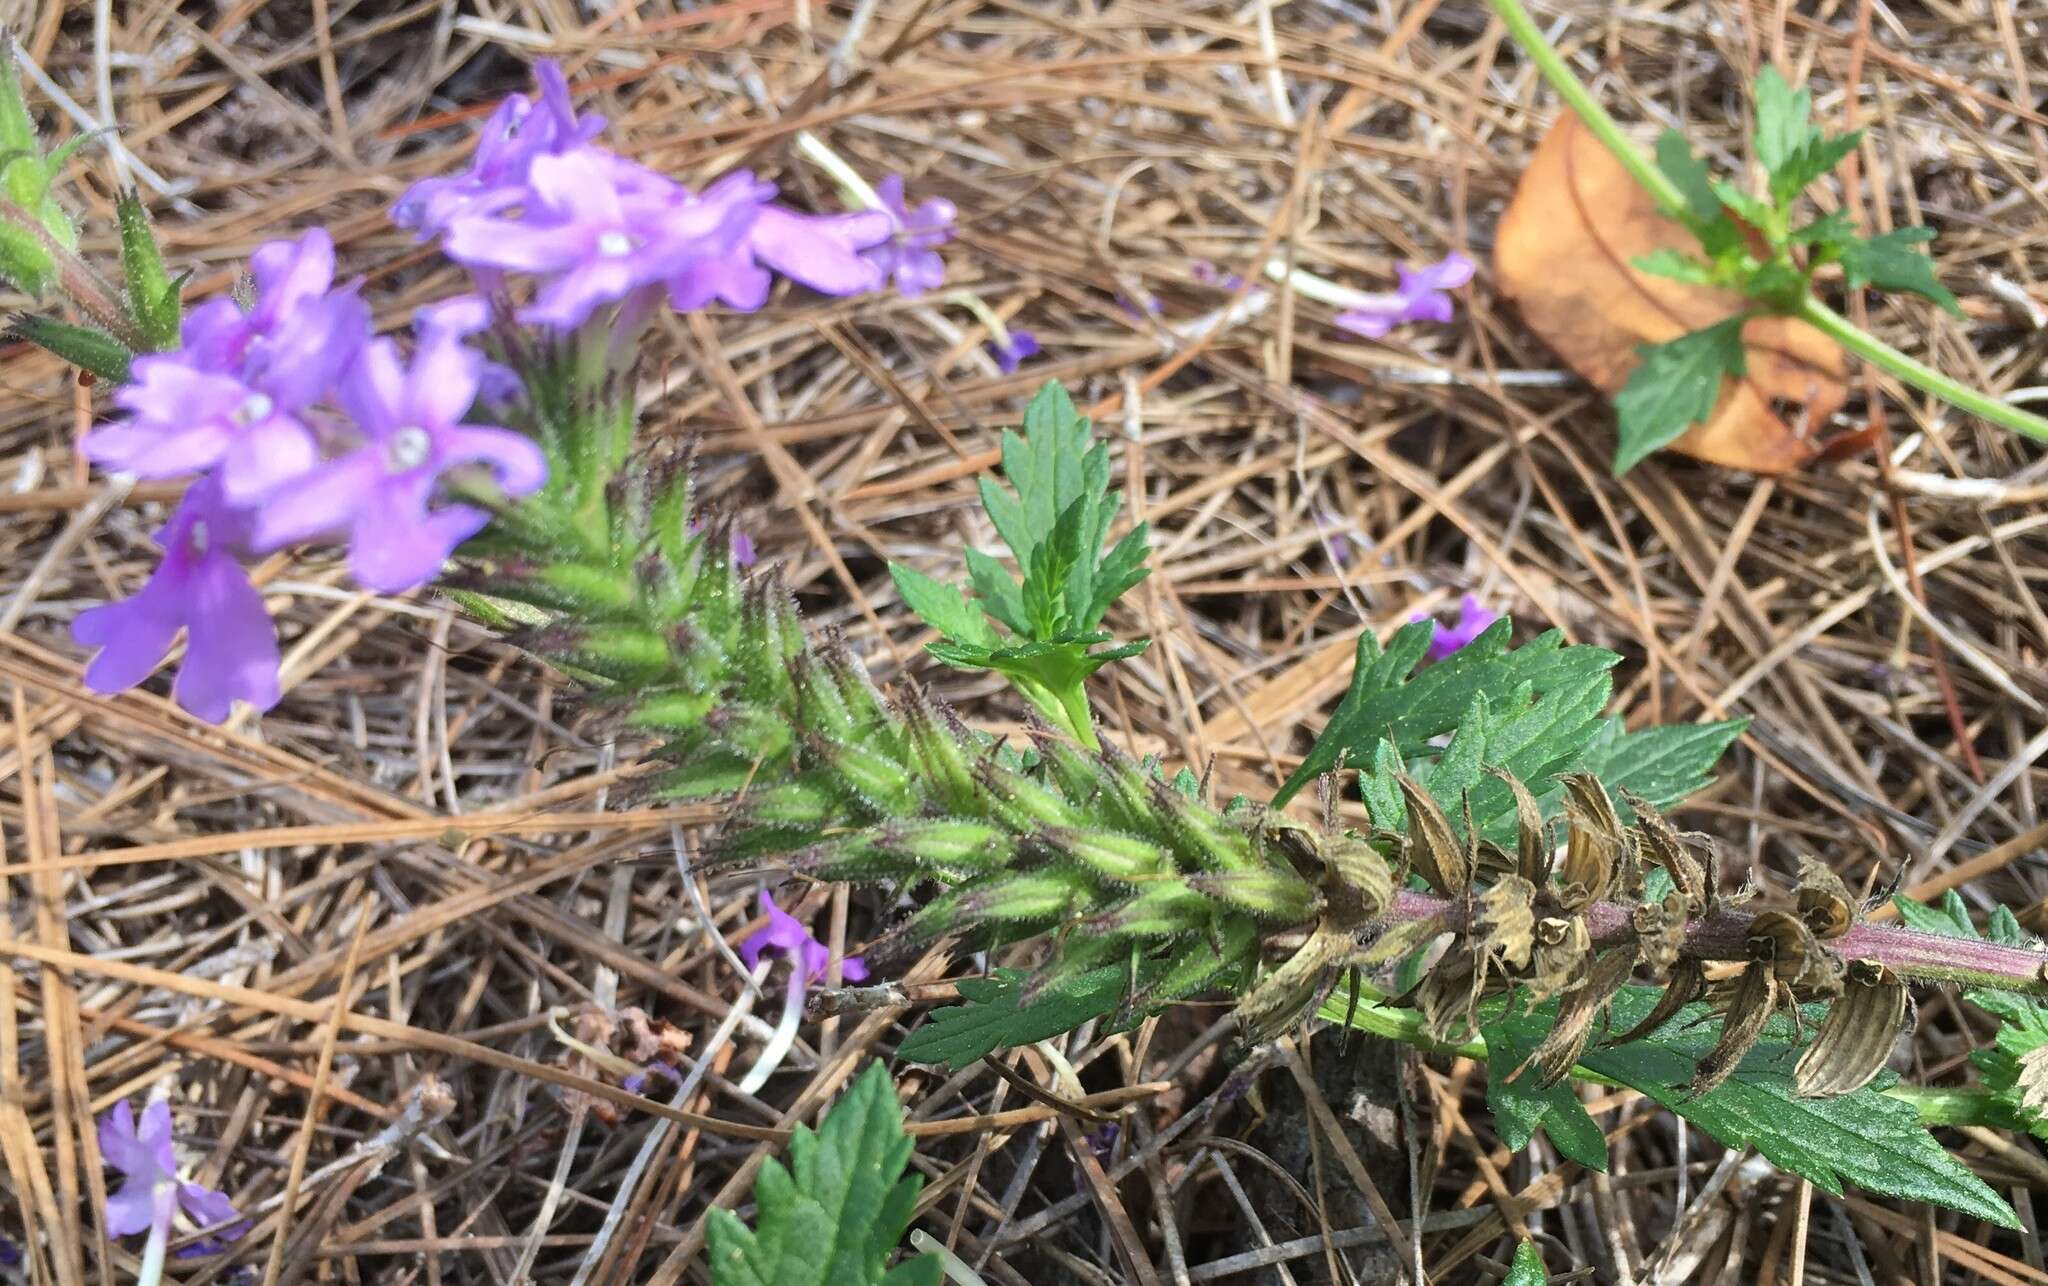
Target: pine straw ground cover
(344, 927)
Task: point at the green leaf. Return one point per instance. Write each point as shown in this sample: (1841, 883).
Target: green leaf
(1754, 211)
(1784, 122)
(1527, 1267)
(1867, 1138)
(1677, 386)
(1523, 1105)
(942, 607)
(82, 346)
(1662, 764)
(998, 591)
(1389, 701)
(1666, 262)
(1812, 159)
(834, 1216)
(1890, 262)
(1829, 231)
(1688, 173)
(993, 1017)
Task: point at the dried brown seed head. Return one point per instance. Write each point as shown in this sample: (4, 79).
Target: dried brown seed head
(1448, 997)
(1283, 995)
(1857, 1037)
(1504, 922)
(1824, 901)
(1358, 883)
(1562, 942)
(1534, 851)
(1594, 846)
(1434, 849)
(1693, 873)
(1660, 931)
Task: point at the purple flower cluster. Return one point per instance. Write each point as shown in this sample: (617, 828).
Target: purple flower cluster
(300, 426)
(596, 230)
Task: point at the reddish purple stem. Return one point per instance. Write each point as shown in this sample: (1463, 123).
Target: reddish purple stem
(1921, 957)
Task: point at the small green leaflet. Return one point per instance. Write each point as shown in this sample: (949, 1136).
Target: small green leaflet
(1055, 519)
(1890, 262)
(2022, 1020)
(836, 1214)
(1867, 1138)
(1792, 150)
(992, 1018)
(1677, 386)
(1718, 234)
(1527, 1268)
(1666, 262)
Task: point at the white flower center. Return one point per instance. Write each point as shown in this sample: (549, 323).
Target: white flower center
(614, 244)
(256, 406)
(408, 449)
(198, 539)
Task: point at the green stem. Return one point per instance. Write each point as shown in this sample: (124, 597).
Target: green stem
(1068, 711)
(1920, 375)
(1580, 99)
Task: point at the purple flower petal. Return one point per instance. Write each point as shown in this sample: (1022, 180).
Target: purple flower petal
(1420, 297)
(786, 934)
(205, 1208)
(822, 251)
(133, 1209)
(1023, 344)
(1473, 620)
(231, 646)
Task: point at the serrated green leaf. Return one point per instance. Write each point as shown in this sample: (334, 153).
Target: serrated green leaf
(82, 346)
(1385, 703)
(1867, 1138)
(1829, 231)
(1784, 121)
(1751, 210)
(998, 591)
(1121, 569)
(836, 1214)
(1677, 386)
(992, 1017)
(1522, 1106)
(1890, 262)
(1662, 764)
(942, 607)
(1812, 159)
(1527, 1267)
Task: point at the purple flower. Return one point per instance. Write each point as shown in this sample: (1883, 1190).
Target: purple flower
(908, 254)
(1473, 619)
(1011, 350)
(1205, 272)
(786, 934)
(743, 553)
(1420, 297)
(601, 228)
(231, 646)
(151, 1193)
(231, 394)
(517, 132)
(381, 493)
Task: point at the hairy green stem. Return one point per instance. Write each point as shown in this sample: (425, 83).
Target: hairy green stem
(1810, 310)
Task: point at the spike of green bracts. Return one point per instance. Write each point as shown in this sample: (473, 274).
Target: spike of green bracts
(827, 775)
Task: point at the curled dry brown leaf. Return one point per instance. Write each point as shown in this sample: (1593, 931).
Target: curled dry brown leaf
(1566, 253)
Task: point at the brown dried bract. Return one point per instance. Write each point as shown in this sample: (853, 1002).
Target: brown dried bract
(1594, 844)
(1857, 1036)
(1661, 843)
(1824, 901)
(1587, 999)
(1434, 849)
(1756, 996)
